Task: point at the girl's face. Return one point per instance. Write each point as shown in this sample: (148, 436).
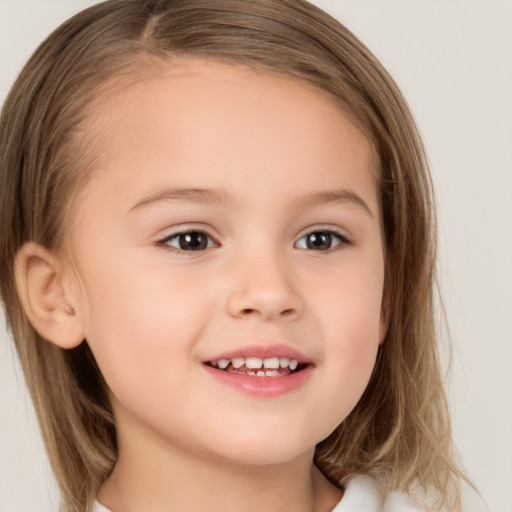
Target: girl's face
(233, 222)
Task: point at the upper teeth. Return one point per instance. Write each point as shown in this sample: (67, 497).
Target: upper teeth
(255, 363)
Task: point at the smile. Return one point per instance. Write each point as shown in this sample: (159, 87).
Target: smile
(264, 372)
(256, 367)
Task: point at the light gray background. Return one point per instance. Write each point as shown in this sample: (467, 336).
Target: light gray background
(453, 60)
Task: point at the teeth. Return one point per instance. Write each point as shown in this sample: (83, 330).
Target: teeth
(261, 373)
(253, 363)
(284, 362)
(271, 363)
(237, 362)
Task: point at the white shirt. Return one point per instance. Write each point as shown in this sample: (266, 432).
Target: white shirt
(361, 494)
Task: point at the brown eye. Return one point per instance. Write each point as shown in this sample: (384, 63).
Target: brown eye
(189, 241)
(321, 240)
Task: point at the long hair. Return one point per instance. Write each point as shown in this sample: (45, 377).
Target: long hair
(399, 430)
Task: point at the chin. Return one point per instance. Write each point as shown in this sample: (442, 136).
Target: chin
(265, 450)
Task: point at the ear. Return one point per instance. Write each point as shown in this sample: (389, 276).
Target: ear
(44, 290)
(384, 318)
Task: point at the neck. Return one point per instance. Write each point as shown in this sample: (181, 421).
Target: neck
(151, 476)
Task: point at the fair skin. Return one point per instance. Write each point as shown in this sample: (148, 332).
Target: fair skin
(277, 273)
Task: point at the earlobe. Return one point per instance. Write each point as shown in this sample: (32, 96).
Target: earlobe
(384, 320)
(383, 330)
(43, 289)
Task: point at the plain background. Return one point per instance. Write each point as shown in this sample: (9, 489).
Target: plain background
(453, 61)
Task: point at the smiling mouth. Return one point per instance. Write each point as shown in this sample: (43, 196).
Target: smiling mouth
(256, 367)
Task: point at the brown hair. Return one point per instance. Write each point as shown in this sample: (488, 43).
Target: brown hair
(400, 428)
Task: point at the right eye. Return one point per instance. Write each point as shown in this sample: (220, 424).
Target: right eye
(188, 241)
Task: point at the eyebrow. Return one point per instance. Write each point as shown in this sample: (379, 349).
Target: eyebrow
(221, 197)
(195, 195)
(331, 197)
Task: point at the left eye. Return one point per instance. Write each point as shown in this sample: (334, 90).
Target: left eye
(189, 241)
(321, 240)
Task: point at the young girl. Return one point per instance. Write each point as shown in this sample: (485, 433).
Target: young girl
(218, 264)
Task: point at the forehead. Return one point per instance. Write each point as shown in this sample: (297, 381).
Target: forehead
(222, 122)
(195, 84)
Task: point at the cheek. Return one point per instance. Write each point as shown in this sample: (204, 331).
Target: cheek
(141, 321)
(350, 314)
(351, 303)
(353, 342)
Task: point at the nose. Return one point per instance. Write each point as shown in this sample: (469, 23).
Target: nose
(263, 287)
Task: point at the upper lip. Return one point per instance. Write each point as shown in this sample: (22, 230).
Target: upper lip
(263, 351)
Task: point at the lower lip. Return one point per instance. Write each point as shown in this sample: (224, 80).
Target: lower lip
(265, 387)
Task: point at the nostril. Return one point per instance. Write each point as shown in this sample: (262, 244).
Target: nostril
(284, 313)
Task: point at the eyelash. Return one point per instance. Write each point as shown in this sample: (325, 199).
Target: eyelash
(342, 240)
(165, 241)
